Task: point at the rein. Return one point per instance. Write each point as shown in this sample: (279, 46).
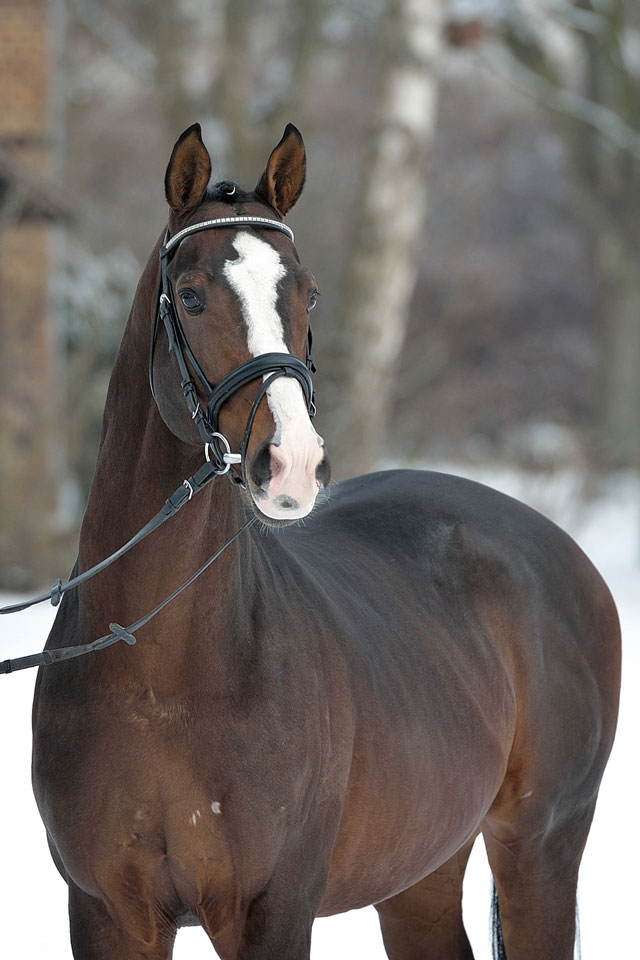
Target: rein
(218, 455)
(117, 631)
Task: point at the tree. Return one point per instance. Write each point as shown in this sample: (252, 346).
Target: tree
(381, 267)
(609, 180)
(599, 114)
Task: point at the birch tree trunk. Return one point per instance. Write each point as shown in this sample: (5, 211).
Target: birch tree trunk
(381, 271)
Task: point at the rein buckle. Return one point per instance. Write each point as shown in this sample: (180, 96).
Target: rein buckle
(228, 457)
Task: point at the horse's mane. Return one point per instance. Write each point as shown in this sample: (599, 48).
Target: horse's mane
(227, 191)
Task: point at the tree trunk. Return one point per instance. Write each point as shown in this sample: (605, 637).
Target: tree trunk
(164, 34)
(610, 181)
(381, 271)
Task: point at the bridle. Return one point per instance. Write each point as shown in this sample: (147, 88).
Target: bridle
(218, 456)
(270, 366)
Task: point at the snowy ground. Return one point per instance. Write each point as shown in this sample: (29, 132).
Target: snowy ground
(33, 895)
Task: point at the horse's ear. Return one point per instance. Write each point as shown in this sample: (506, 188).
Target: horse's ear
(189, 171)
(281, 183)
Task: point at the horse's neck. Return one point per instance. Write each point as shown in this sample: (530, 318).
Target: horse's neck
(140, 463)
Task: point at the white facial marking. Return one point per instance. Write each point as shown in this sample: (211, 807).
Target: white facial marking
(254, 279)
(295, 447)
(215, 806)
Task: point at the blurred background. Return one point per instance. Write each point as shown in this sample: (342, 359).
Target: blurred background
(472, 215)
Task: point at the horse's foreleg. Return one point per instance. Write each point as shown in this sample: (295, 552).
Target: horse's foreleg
(278, 925)
(536, 877)
(425, 921)
(95, 935)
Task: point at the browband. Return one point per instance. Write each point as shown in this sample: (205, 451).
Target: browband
(226, 222)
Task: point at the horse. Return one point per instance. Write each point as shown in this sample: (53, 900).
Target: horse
(371, 675)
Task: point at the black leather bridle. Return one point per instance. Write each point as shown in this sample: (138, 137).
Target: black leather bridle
(269, 366)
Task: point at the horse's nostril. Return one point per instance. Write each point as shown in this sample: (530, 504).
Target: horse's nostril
(261, 468)
(286, 503)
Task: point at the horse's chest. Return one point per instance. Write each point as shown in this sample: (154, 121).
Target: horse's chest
(172, 800)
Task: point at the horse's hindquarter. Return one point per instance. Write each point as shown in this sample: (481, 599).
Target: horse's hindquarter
(466, 623)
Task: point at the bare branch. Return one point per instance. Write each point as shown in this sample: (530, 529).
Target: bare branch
(115, 38)
(609, 125)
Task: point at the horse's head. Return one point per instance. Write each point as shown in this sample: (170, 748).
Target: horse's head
(233, 294)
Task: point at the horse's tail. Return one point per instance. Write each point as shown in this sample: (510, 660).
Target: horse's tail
(497, 943)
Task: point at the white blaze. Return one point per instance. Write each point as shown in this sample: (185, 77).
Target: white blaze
(254, 278)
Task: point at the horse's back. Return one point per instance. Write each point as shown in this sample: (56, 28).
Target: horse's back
(466, 561)
(451, 534)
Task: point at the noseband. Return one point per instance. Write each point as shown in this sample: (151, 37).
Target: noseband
(269, 366)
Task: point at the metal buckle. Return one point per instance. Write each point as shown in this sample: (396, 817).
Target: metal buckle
(227, 457)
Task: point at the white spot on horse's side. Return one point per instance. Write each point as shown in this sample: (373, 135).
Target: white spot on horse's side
(215, 807)
(195, 817)
(525, 796)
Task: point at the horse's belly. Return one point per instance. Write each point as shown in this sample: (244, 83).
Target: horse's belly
(376, 870)
(412, 802)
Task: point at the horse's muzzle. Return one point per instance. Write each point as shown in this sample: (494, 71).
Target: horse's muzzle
(285, 478)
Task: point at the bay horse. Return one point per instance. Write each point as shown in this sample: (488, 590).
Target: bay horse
(337, 708)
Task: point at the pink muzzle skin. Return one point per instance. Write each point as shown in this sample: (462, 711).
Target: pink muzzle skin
(293, 487)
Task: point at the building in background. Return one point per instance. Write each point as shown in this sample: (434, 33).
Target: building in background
(29, 209)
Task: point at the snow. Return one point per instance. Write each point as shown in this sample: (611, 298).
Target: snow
(34, 896)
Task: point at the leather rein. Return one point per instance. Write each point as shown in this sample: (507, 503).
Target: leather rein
(218, 455)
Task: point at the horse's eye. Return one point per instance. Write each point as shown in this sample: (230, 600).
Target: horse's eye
(313, 299)
(191, 301)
